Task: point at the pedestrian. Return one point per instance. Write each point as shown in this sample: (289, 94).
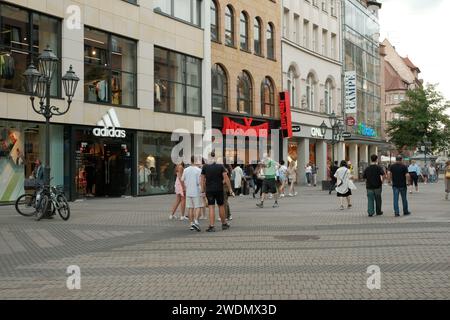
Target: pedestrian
(292, 178)
(398, 177)
(238, 175)
(308, 173)
(343, 176)
(259, 180)
(212, 178)
(447, 179)
(269, 183)
(414, 173)
(226, 192)
(283, 176)
(374, 175)
(191, 184)
(333, 168)
(432, 174)
(314, 170)
(180, 200)
(425, 173)
(250, 176)
(38, 172)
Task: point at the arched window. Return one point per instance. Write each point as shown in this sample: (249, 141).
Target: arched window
(214, 21)
(310, 92)
(329, 96)
(267, 97)
(292, 87)
(257, 36)
(244, 93)
(229, 26)
(219, 88)
(244, 31)
(270, 41)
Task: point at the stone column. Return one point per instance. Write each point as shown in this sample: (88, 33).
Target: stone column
(339, 152)
(354, 159)
(321, 150)
(364, 153)
(302, 160)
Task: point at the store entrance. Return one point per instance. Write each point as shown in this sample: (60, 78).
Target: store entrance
(103, 167)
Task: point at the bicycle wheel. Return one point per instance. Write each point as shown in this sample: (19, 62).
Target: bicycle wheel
(64, 209)
(25, 205)
(42, 207)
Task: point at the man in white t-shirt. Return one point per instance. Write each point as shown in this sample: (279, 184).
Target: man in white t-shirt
(194, 202)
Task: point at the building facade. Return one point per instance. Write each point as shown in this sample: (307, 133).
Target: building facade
(245, 71)
(362, 81)
(144, 72)
(312, 74)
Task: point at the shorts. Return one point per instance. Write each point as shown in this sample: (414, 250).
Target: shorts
(194, 202)
(215, 197)
(269, 186)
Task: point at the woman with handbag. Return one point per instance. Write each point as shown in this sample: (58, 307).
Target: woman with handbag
(344, 185)
(447, 179)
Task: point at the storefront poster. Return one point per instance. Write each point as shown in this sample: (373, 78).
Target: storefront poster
(350, 92)
(246, 129)
(285, 114)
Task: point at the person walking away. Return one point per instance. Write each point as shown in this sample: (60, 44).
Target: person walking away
(269, 183)
(238, 176)
(226, 192)
(292, 178)
(308, 172)
(334, 167)
(250, 173)
(374, 184)
(212, 178)
(447, 179)
(414, 173)
(343, 176)
(259, 180)
(432, 173)
(283, 176)
(314, 170)
(194, 202)
(180, 200)
(398, 177)
(425, 173)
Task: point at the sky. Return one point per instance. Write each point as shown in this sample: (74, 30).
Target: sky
(420, 29)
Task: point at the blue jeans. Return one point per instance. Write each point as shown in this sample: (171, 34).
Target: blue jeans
(402, 192)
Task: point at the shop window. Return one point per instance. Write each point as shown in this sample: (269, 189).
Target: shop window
(109, 68)
(186, 10)
(219, 88)
(178, 83)
(19, 47)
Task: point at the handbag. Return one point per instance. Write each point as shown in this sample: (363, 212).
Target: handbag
(447, 174)
(351, 185)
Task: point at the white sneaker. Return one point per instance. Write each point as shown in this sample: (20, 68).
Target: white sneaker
(230, 219)
(218, 219)
(183, 218)
(291, 195)
(295, 193)
(171, 217)
(282, 195)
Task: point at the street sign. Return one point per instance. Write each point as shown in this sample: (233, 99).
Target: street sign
(346, 135)
(296, 129)
(351, 121)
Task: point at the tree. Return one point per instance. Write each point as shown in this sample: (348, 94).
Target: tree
(421, 116)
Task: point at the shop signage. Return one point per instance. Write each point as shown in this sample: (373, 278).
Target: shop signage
(316, 132)
(108, 126)
(346, 135)
(366, 131)
(350, 92)
(285, 115)
(246, 129)
(296, 129)
(351, 122)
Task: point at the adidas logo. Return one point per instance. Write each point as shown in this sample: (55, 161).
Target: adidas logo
(109, 124)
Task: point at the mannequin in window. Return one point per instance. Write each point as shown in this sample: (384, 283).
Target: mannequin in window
(116, 91)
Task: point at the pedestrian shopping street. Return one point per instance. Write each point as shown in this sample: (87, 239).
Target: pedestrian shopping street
(126, 248)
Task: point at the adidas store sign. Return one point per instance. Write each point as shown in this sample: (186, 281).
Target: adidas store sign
(109, 125)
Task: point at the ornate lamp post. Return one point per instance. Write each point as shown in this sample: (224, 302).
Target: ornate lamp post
(38, 84)
(426, 144)
(337, 129)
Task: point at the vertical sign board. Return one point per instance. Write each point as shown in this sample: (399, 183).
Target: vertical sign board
(350, 92)
(285, 114)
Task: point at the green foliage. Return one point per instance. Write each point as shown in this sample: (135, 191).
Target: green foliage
(422, 114)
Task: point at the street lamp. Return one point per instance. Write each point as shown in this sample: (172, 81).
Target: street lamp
(323, 129)
(337, 128)
(426, 144)
(38, 83)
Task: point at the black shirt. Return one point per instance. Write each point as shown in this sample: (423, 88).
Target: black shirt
(373, 175)
(214, 177)
(399, 172)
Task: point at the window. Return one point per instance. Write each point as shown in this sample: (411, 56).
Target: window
(333, 46)
(306, 34)
(328, 96)
(296, 28)
(229, 26)
(333, 8)
(310, 98)
(109, 68)
(177, 82)
(325, 5)
(324, 42)
(292, 87)
(270, 41)
(257, 37)
(315, 44)
(19, 47)
(186, 10)
(286, 23)
(267, 98)
(244, 93)
(214, 21)
(219, 88)
(244, 31)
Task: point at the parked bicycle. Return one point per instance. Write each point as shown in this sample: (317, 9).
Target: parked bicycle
(38, 203)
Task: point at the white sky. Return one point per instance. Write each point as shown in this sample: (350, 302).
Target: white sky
(420, 29)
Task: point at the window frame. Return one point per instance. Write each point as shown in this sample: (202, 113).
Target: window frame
(244, 23)
(192, 7)
(229, 14)
(270, 31)
(310, 92)
(268, 83)
(214, 71)
(214, 7)
(329, 96)
(257, 29)
(241, 77)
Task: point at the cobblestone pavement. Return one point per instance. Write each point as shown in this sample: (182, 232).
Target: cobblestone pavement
(306, 249)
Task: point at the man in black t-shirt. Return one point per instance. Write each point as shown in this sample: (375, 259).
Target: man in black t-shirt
(398, 177)
(333, 168)
(212, 179)
(374, 184)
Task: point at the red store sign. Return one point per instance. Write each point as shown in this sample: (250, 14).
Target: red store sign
(285, 115)
(246, 129)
